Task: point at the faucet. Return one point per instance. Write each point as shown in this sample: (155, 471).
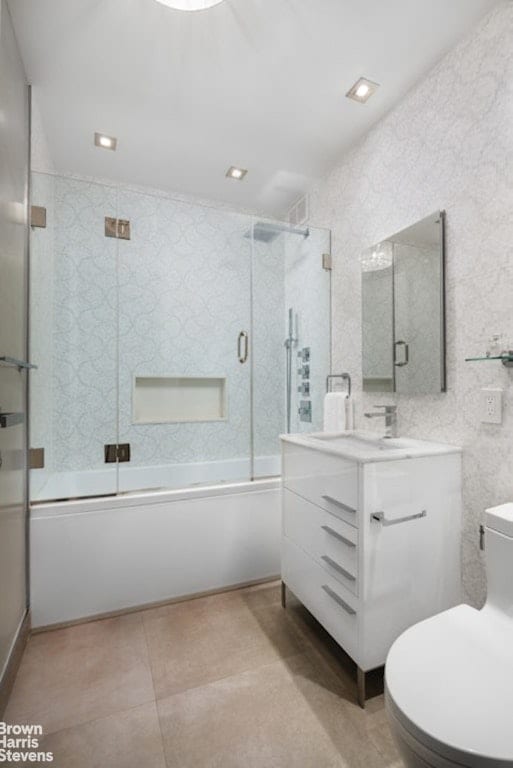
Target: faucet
(390, 415)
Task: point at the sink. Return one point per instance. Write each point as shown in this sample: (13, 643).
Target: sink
(366, 446)
(359, 442)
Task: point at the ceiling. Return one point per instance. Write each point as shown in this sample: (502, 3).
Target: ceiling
(253, 83)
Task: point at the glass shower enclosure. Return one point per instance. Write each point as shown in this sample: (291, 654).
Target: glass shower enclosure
(161, 331)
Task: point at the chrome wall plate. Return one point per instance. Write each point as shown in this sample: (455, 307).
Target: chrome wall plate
(305, 410)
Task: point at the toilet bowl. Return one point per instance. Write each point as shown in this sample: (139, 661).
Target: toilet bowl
(449, 679)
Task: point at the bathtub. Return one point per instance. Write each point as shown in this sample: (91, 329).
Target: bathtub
(48, 485)
(96, 557)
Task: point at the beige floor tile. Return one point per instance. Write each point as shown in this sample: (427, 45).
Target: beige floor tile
(194, 643)
(284, 715)
(128, 739)
(70, 676)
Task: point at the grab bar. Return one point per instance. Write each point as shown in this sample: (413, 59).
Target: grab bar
(347, 608)
(380, 517)
(243, 356)
(13, 362)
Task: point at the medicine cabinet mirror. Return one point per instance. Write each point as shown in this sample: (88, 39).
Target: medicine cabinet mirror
(403, 319)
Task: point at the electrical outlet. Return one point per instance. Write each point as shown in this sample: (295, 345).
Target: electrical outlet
(491, 406)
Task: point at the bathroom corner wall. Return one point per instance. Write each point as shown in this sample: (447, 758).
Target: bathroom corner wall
(447, 145)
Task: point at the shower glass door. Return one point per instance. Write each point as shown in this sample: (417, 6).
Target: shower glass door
(291, 335)
(73, 339)
(184, 357)
(163, 341)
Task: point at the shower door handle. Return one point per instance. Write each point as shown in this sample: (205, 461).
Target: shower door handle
(406, 359)
(242, 348)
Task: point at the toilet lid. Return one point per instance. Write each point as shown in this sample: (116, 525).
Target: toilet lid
(449, 681)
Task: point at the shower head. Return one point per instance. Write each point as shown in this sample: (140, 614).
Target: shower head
(266, 231)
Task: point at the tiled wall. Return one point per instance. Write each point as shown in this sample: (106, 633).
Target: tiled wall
(448, 145)
(171, 301)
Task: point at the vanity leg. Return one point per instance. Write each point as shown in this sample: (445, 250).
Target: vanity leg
(283, 595)
(360, 678)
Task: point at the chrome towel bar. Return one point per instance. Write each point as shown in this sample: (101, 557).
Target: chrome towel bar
(380, 517)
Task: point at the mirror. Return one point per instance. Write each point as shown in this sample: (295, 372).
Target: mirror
(403, 321)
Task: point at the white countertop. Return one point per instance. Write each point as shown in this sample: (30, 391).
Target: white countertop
(367, 447)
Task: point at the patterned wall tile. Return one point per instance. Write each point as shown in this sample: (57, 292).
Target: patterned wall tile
(446, 146)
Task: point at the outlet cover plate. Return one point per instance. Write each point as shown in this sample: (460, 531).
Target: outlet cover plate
(490, 406)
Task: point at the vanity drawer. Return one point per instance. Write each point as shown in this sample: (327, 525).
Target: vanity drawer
(329, 481)
(331, 604)
(329, 540)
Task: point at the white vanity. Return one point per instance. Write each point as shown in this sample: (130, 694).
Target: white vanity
(370, 536)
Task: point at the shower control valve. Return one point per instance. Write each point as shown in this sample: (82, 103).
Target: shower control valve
(304, 388)
(304, 371)
(305, 410)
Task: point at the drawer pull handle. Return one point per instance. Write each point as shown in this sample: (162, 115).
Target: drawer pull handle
(380, 517)
(347, 608)
(338, 567)
(338, 535)
(339, 504)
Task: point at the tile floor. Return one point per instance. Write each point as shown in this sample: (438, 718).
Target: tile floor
(227, 681)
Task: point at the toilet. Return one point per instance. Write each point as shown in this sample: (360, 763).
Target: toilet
(449, 679)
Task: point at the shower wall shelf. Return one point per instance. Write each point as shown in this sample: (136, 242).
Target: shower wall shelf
(505, 357)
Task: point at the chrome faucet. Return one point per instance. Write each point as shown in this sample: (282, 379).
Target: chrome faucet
(390, 415)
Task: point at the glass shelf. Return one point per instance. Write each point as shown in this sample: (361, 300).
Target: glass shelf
(505, 357)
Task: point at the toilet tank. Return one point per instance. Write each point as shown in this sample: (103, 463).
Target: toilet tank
(499, 558)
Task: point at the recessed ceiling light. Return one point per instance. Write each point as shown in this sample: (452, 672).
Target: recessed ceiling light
(236, 173)
(190, 5)
(362, 90)
(105, 142)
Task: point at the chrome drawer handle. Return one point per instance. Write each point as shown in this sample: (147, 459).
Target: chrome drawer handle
(339, 504)
(338, 535)
(338, 567)
(347, 608)
(380, 517)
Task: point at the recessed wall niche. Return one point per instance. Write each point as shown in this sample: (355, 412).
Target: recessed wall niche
(170, 399)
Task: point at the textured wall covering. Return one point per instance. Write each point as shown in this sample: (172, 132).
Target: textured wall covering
(449, 146)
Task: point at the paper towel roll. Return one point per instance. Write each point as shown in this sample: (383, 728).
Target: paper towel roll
(335, 411)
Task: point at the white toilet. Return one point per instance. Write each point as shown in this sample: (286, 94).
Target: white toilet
(449, 679)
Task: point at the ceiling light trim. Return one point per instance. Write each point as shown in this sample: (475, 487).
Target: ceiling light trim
(236, 173)
(190, 5)
(105, 142)
(362, 90)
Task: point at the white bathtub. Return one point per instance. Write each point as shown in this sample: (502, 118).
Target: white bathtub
(98, 556)
(47, 485)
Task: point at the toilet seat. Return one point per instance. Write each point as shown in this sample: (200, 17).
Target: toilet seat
(449, 684)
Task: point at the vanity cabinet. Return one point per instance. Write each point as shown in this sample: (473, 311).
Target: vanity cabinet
(370, 547)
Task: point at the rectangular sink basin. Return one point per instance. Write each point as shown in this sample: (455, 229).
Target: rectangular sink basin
(358, 442)
(368, 446)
